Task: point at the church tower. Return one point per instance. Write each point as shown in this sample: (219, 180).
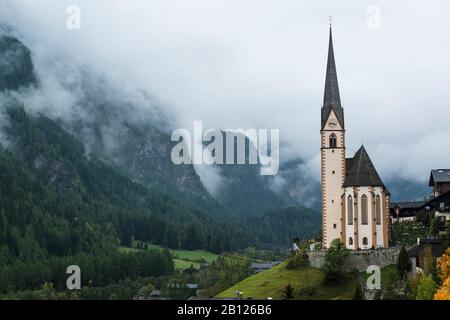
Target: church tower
(332, 154)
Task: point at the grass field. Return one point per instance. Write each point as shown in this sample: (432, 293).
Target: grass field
(387, 273)
(307, 284)
(183, 258)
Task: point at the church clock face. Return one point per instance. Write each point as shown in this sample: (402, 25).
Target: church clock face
(332, 124)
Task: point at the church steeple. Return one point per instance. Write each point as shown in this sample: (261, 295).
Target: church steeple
(331, 99)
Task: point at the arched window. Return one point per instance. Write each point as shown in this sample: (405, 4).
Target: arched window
(350, 241)
(350, 210)
(364, 209)
(378, 209)
(333, 141)
(365, 241)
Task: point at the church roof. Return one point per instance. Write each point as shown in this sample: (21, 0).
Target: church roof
(331, 99)
(361, 171)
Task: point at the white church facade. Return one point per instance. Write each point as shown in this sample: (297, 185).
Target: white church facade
(355, 202)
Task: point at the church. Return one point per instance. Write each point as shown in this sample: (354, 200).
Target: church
(355, 202)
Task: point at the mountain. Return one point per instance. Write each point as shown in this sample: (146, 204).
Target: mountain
(246, 193)
(406, 190)
(113, 153)
(15, 64)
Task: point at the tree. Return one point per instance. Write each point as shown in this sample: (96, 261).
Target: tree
(443, 293)
(334, 261)
(288, 292)
(403, 263)
(358, 295)
(298, 260)
(434, 226)
(146, 290)
(427, 288)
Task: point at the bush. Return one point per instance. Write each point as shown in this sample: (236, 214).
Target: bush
(427, 288)
(288, 292)
(334, 261)
(298, 260)
(307, 292)
(403, 263)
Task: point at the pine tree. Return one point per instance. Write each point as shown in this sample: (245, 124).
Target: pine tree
(403, 263)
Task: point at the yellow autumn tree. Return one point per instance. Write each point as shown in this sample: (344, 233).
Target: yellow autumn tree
(443, 292)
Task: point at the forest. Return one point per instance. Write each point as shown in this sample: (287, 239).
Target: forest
(59, 207)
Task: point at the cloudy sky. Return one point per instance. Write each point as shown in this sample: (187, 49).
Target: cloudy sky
(261, 64)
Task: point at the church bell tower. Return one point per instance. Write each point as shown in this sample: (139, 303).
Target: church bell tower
(332, 154)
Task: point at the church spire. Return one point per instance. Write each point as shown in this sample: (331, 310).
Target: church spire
(331, 99)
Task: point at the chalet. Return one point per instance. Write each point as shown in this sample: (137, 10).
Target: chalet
(438, 205)
(440, 181)
(406, 211)
(437, 249)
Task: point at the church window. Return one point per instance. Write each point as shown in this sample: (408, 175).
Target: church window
(365, 241)
(350, 241)
(333, 141)
(350, 210)
(334, 226)
(378, 209)
(364, 209)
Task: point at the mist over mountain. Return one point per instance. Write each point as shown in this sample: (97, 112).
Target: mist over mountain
(129, 129)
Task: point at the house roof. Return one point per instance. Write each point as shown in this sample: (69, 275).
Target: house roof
(437, 247)
(261, 265)
(408, 205)
(361, 171)
(155, 293)
(439, 176)
(331, 98)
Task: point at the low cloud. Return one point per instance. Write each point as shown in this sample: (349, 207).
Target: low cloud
(259, 64)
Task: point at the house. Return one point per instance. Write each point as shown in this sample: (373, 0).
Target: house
(405, 211)
(437, 249)
(440, 181)
(154, 295)
(190, 270)
(258, 267)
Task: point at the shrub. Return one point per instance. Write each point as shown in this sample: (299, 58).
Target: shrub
(427, 288)
(298, 260)
(334, 261)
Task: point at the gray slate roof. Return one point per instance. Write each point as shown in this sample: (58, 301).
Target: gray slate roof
(331, 99)
(439, 176)
(408, 205)
(437, 247)
(361, 171)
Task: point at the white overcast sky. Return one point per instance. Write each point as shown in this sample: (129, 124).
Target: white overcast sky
(261, 64)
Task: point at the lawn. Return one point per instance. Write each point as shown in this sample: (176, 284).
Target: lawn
(307, 283)
(183, 258)
(190, 255)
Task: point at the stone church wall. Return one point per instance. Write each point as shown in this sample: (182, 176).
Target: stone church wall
(360, 259)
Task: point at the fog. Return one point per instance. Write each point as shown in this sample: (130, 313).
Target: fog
(261, 64)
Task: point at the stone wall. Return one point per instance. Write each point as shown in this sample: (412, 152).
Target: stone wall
(360, 259)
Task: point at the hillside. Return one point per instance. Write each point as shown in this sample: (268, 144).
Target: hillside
(182, 258)
(306, 282)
